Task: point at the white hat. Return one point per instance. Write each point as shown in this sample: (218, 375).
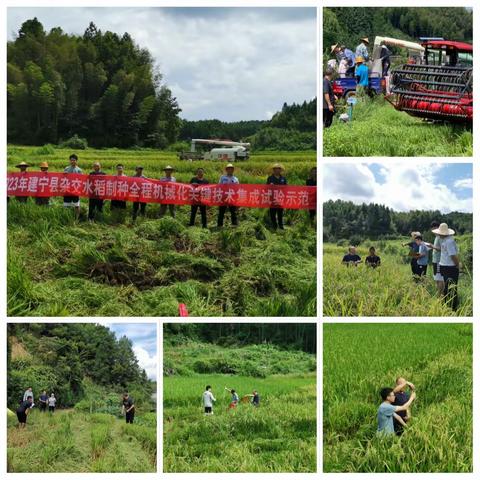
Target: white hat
(443, 230)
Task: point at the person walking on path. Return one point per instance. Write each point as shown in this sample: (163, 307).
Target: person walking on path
(128, 407)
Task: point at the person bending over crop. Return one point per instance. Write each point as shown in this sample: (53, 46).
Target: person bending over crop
(373, 260)
(401, 398)
(208, 400)
(22, 411)
(234, 400)
(255, 398)
(128, 407)
(351, 258)
(387, 412)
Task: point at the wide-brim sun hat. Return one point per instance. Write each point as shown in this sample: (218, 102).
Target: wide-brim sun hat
(415, 234)
(277, 165)
(230, 165)
(44, 165)
(22, 164)
(359, 59)
(365, 39)
(333, 47)
(443, 230)
(168, 167)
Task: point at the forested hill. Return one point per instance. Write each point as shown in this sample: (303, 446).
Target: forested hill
(348, 25)
(347, 221)
(75, 361)
(295, 336)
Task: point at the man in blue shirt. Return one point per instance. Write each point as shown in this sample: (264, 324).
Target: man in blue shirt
(342, 52)
(422, 257)
(361, 74)
(387, 412)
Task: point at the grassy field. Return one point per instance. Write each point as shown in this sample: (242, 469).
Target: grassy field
(278, 436)
(359, 360)
(69, 441)
(60, 267)
(377, 129)
(388, 290)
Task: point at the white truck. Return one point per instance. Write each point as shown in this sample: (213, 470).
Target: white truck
(225, 150)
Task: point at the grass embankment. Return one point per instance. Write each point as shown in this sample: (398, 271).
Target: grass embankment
(388, 290)
(377, 129)
(359, 360)
(278, 436)
(60, 267)
(70, 441)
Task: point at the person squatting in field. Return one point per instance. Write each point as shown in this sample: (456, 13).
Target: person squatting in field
(388, 412)
(128, 407)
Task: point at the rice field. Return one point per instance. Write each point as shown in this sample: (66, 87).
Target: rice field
(360, 359)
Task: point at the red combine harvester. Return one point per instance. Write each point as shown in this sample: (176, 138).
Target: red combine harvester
(441, 87)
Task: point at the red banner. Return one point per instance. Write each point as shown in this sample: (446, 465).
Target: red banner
(135, 189)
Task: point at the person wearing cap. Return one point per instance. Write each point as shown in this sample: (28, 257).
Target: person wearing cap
(22, 166)
(139, 205)
(228, 178)
(168, 177)
(328, 98)
(422, 256)
(72, 201)
(94, 203)
(199, 179)
(436, 249)
(276, 213)
(118, 207)
(312, 182)
(43, 200)
(413, 252)
(361, 74)
(362, 50)
(449, 264)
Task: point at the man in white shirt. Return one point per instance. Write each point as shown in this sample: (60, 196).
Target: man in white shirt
(229, 178)
(208, 400)
(168, 177)
(449, 264)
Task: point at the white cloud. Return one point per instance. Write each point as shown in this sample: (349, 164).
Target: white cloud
(466, 183)
(231, 64)
(402, 187)
(146, 361)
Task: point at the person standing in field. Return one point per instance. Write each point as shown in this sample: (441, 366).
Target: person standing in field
(422, 256)
(362, 50)
(42, 401)
(208, 400)
(43, 200)
(401, 398)
(139, 205)
(449, 264)
(198, 179)
(387, 412)
(276, 213)
(72, 201)
(361, 74)
(351, 258)
(95, 204)
(312, 182)
(373, 260)
(23, 411)
(128, 407)
(413, 252)
(52, 403)
(328, 98)
(234, 400)
(28, 393)
(255, 398)
(168, 177)
(119, 206)
(227, 179)
(436, 253)
(22, 166)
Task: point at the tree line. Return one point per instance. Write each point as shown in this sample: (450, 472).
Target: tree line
(347, 221)
(295, 336)
(348, 25)
(64, 358)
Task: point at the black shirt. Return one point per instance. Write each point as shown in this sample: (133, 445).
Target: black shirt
(256, 399)
(24, 406)
(327, 89)
(272, 179)
(311, 182)
(98, 173)
(199, 181)
(401, 398)
(351, 258)
(372, 261)
(128, 402)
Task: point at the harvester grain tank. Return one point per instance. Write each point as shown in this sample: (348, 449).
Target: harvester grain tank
(438, 88)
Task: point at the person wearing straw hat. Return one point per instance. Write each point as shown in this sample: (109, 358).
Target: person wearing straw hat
(449, 264)
(43, 200)
(361, 74)
(362, 50)
(168, 177)
(138, 205)
(436, 249)
(414, 248)
(226, 179)
(22, 166)
(276, 213)
(94, 203)
(70, 201)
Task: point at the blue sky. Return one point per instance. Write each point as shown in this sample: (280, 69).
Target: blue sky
(144, 339)
(226, 63)
(403, 187)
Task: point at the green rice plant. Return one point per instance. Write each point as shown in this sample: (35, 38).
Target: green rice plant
(100, 437)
